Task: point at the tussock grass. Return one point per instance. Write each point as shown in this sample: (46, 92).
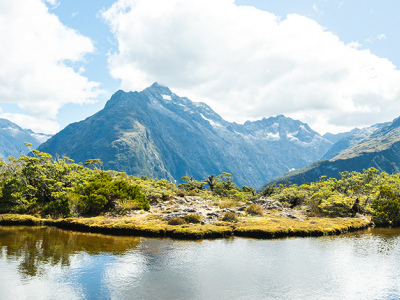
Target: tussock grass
(269, 228)
(254, 210)
(230, 217)
(147, 225)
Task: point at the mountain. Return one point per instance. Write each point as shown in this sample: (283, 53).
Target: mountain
(377, 146)
(159, 134)
(343, 141)
(13, 137)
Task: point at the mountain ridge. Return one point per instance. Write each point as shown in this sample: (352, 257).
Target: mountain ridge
(161, 135)
(13, 139)
(377, 146)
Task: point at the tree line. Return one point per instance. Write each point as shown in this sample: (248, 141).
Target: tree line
(41, 184)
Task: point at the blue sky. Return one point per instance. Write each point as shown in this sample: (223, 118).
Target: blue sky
(331, 63)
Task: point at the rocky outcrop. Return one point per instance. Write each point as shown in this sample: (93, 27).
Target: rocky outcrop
(210, 212)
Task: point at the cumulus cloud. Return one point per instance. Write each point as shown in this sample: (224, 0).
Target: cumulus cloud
(35, 124)
(38, 57)
(248, 64)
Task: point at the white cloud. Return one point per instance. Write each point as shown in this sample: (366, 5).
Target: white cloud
(38, 57)
(35, 124)
(248, 64)
(355, 45)
(53, 3)
(382, 36)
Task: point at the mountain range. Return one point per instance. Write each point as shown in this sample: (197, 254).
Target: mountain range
(158, 134)
(13, 139)
(377, 146)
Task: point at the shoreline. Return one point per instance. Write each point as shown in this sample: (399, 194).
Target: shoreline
(252, 227)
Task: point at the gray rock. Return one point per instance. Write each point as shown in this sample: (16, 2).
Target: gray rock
(212, 215)
(228, 210)
(293, 217)
(174, 215)
(180, 200)
(269, 204)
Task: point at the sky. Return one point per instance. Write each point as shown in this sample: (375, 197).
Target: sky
(333, 64)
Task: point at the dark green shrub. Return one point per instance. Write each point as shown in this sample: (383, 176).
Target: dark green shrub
(269, 190)
(230, 217)
(176, 221)
(387, 208)
(254, 210)
(123, 191)
(193, 219)
(102, 193)
(224, 185)
(58, 207)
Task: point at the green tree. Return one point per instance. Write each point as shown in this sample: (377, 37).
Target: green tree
(387, 207)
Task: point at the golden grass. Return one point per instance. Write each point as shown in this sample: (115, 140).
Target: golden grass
(147, 225)
(266, 227)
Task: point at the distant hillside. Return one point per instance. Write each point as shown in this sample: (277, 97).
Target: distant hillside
(13, 139)
(159, 134)
(349, 139)
(377, 146)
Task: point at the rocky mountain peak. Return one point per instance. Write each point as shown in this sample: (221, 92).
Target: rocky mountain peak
(159, 91)
(161, 135)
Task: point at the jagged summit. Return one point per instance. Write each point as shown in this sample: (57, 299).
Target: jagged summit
(159, 134)
(162, 90)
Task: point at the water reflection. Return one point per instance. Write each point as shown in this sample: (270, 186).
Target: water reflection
(35, 247)
(51, 263)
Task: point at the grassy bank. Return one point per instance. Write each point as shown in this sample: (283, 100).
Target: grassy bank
(148, 225)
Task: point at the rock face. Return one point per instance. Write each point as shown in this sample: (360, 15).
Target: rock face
(13, 139)
(377, 147)
(161, 135)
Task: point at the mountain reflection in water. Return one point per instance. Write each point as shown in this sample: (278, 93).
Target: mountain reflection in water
(49, 263)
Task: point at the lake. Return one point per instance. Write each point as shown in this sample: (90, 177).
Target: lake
(49, 263)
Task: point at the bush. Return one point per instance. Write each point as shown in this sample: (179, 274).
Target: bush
(290, 196)
(193, 219)
(192, 193)
(125, 191)
(230, 217)
(336, 205)
(387, 208)
(387, 212)
(176, 221)
(254, 210)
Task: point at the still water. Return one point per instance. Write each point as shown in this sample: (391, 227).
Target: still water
(49, 263)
